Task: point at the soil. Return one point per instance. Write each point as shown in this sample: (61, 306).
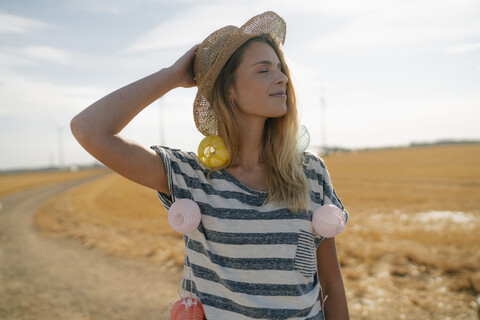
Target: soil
(44, 278)
(410, 249)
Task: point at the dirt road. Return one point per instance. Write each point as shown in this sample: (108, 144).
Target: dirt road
(48, 279)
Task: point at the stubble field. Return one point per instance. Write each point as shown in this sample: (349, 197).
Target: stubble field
(15, 182)
(410, 249)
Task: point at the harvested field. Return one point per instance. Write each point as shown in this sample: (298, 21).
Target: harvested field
(410, 249)
(11, 183)
(411, 246)
(113, 214)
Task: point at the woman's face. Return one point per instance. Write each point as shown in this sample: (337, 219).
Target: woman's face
(259, 87)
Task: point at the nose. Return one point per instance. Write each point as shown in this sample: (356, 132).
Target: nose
(281, 77)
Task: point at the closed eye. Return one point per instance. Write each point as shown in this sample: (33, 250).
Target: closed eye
(267, 64)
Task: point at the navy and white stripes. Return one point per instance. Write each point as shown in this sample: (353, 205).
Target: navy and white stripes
(248, 259)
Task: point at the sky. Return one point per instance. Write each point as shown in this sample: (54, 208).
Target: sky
(372, 73)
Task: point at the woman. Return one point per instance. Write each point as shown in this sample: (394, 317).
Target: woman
(255, 254)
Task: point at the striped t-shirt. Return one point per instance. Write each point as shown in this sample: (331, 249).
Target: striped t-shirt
(248, 259)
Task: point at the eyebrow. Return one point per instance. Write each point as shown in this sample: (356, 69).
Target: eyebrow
(267, 62)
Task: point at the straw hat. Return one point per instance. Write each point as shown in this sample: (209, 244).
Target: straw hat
(214, 52)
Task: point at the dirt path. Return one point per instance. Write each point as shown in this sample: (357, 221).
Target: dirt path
(59, 279)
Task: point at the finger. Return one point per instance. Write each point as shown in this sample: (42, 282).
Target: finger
(195, 48)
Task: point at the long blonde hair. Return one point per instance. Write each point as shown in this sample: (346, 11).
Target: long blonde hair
(286, 182)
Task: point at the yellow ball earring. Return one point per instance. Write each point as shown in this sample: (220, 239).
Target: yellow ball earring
(212, 151)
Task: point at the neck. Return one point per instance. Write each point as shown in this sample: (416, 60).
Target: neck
(249, 153)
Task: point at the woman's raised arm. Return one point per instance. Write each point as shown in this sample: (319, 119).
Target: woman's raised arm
(97, 127)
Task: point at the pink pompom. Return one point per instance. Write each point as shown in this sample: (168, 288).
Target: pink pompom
(187, 309)
(184, 216)
(328, 220)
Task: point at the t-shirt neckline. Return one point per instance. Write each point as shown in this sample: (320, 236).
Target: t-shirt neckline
(231, 178)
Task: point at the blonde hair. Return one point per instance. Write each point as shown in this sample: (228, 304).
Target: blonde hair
(286, 182)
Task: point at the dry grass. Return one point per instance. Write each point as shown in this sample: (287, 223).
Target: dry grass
(113, 214)
(400, 260)
(410, 180)
(411, 246)
(11, 183)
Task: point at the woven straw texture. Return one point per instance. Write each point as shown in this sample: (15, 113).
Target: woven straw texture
(214, 52)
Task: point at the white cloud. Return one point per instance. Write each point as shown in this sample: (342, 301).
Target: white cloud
(401, 121)
(109, 7)
(115, 7)
(407, 23)
(463, 48)
(11, 57)
(47, 53)
(332, 8)
(19, 25)
(34, 112)
(22, 96)
(191, 26)
(366, 104)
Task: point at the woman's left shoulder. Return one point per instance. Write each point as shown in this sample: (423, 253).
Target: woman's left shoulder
(313, 161)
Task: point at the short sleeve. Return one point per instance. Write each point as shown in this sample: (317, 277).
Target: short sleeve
(181, 169)
(329, 194)
(322, 190)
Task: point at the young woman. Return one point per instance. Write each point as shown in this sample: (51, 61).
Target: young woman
(255, 254)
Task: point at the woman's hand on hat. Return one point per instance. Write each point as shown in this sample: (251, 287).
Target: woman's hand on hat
(183, 68)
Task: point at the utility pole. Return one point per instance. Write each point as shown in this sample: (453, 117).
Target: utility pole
(61, 160)
(161, 123)
(323, 122)
(61, 163)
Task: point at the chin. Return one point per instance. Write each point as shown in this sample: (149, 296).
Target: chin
(279, 115)
(282, 111)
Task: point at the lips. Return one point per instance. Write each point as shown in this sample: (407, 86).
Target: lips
(280, 94)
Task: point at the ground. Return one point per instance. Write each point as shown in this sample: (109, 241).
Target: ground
(104, 250)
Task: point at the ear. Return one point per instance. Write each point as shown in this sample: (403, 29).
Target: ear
(232, 94)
